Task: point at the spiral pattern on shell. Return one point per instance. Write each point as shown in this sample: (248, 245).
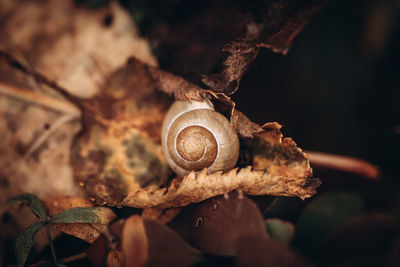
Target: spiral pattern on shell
(195, 136)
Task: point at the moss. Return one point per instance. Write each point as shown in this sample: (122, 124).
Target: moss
(142, 160)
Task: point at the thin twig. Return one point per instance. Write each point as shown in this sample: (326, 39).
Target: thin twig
(57, 105)
(53, 252)
(12, 61)
(74, 258)
(53, 128)
(344, 163)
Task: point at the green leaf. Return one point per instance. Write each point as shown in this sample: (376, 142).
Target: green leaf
(25, 242)
(280, 230)
(321, 217)
(79, 215)
(34, 204)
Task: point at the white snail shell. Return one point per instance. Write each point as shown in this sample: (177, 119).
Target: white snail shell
(195, 136)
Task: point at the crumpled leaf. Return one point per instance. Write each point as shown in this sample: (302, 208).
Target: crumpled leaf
(282, 20)
(215, 225)
(243, 125)
(196, 187)
(242, 26)
(146, 242)
(279, 168)
(78, 217)
(242, 54)
(176, 86)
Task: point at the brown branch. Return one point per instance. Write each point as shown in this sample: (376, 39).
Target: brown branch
(13, 62)
(344, 163)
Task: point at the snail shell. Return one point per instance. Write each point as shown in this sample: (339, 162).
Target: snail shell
(195, 136)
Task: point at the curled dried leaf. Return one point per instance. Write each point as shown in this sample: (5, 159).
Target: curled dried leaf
(282, 20)
(279, 168)
(242, 54)
(196, 187)
(174, 85)
(243, 125)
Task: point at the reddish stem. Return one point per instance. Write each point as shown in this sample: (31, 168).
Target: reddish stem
(344, 163)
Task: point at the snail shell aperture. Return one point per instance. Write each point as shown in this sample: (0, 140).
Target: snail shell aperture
(195, 136)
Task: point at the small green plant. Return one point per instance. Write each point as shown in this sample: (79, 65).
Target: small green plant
(25, 240)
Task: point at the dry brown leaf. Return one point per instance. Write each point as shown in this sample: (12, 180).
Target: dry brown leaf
(215, 225)
(196, 187)
(279, 168)
(149, 243)
(134, 242)
(75, 47)
(243, 125)
(242, 54)
(120, 151)
(87, 232)
(282, 20)
(174, 85)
